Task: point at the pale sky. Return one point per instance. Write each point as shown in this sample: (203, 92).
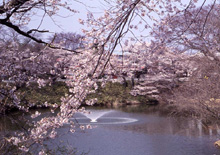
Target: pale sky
(68, 22)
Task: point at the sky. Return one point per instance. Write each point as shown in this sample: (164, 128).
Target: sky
(68, 22)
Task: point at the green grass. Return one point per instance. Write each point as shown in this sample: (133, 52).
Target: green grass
(50, 94)
(116, 92)
(111, 94)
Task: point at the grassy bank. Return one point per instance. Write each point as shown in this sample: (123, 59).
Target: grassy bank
(51, 94)
(117, 95)
(112, 95)
(32, 95)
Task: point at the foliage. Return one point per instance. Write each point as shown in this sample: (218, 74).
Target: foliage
(199, 96)
(116, 92)
(32, 96)
(38, 96)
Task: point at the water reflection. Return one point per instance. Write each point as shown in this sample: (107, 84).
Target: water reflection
(155, 124)
(150, 133)
(11, 122)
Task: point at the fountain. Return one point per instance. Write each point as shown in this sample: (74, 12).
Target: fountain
(98, 117)
(94, 115)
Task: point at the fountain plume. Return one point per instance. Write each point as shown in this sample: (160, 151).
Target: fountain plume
(95, 115)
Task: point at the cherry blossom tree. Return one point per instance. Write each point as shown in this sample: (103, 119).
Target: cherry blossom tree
(191, 31)
(196, 31)
(104, 34)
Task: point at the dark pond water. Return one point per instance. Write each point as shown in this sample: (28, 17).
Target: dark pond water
(119, 133)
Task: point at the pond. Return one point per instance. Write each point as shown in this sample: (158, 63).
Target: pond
(120, 133)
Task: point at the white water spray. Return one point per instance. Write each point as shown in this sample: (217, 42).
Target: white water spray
(95, 115)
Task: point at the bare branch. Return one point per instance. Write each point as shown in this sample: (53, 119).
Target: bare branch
(36, 30)
(26, 34)
(206, 18)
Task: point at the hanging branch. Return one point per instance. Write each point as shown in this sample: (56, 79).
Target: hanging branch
(17, 8)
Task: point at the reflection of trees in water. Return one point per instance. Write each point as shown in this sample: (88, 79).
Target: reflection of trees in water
(13, 123)
(175, 126)
(9, 124)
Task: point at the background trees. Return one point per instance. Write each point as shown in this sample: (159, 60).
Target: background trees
(68, 40)
(24, 62)
(195, 32)
(199, 96)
